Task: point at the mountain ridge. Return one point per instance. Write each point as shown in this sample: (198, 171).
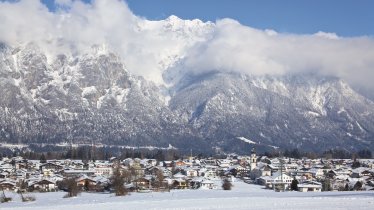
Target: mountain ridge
(93, 98)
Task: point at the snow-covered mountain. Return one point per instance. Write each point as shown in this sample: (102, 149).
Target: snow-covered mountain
(79, 99)
(90, 96)
(93, 98)
(303, 111)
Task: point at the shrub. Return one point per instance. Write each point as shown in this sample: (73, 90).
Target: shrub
(4, 199)
(226, 185)
(294, 184)
(28, 198)
(357, 186)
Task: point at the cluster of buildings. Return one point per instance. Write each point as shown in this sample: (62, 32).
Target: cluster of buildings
(191, 173)
(314, 174)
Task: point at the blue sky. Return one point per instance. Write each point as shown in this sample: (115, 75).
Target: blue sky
(343, 17)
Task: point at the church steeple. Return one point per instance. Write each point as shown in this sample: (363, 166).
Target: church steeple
(253, 160)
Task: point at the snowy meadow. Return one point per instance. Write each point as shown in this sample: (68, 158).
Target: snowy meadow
(242, 196)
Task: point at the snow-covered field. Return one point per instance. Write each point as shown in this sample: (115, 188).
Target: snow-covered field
(243, 196)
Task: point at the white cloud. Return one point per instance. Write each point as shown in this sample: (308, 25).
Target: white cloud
(148, 47)
(145, 46)
(238, 48)
(327, 35)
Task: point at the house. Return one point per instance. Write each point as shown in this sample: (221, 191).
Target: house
(142, 183)
(169, 164)
(43, 185)
(242, 171)
(331, 174)
(22, 165)
(259, 171)
(179, 176)
(103, 170)
(210, 174)
(291, 166)
(179, 184)
(356, 184)
(339, 184)
(265, 181)
(306, 174)
(151, 170)
(207, 184)
(224, 163)
(192, 172)
(316, 172)
(360, 172)
(167, 172)
(7, 185)
(343, 171)
(86, 182)
(50, 166)
(281, 181)
(309, 186)
(180, 163)
(210, 162)
(152, 162)
(69, 173)
(195, 182)
(97, 183)
(265, 171)
(79, 165)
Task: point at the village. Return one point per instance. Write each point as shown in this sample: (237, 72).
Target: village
(147, 175)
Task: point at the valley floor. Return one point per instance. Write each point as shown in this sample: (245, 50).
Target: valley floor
(242, 196)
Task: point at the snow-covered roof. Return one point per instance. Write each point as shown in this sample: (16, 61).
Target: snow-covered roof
(309, 186)
(278, 174)
(207, 182)
(266, 178)
(360, 170)
(179, 175)
(78, 171)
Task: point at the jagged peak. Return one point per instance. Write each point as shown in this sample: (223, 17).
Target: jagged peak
(175, 23)
(100, 49)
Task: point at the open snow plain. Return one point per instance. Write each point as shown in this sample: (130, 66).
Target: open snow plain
(242, 196)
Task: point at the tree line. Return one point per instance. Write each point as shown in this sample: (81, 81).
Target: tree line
(96, 153)
(105, 153)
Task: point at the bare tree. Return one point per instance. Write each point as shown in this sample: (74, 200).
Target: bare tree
(3, 198)
(22, 187)
(70, 185)
(159, 179)
(118, 182)
(126, 174)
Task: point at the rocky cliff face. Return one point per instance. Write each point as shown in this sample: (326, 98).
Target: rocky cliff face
(303, 111)
(79, 99)
(93, 98)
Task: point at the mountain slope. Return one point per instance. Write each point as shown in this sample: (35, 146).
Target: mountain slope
(93, 98)
(80, 99)
(304, 111)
